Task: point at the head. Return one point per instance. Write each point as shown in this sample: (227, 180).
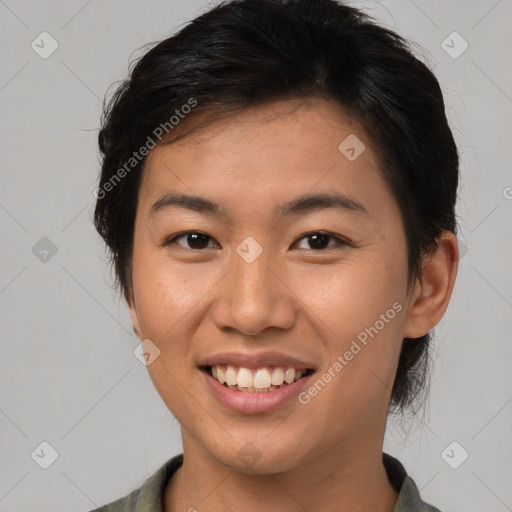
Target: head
(250, 108)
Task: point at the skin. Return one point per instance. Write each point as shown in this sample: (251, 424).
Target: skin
(306, 302)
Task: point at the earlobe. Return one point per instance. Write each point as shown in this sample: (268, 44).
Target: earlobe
(431, 295)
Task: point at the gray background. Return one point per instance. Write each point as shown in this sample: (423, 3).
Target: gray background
(68, 373)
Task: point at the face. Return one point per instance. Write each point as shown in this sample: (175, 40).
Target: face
(252, 274)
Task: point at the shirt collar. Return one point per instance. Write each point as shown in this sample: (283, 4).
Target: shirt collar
(409, 499)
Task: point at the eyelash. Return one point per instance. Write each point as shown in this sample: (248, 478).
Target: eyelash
(339, 241)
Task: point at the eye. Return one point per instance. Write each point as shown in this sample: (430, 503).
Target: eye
(319, 240)
(195, 239)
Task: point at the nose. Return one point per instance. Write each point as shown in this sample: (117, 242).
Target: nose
(255, 296)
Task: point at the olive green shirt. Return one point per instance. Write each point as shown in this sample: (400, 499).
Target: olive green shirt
(149, 497)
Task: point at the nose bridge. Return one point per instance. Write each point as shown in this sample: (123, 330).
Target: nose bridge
(253, 277)
(254, 298)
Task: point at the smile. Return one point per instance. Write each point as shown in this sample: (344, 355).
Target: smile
(249, 399)
(256, 380)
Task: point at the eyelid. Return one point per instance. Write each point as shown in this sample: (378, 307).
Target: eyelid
(168, 241)
(340, 240)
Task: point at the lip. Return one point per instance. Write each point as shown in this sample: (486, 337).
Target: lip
(254, 403)
(258, 360)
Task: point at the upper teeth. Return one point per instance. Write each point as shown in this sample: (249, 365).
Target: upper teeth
(260, 378)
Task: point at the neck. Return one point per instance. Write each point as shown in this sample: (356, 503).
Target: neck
(350, 479)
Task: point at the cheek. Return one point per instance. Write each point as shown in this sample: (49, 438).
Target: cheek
(168, 307)
(166, 293)
(361, 307)
(354, 295)
(363, 319)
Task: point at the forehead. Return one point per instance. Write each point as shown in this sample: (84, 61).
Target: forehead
(276, 123)
(266, 154)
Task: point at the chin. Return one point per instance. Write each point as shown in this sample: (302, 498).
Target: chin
(259, 457)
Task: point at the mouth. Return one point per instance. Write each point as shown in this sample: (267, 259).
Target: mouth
(266, 379)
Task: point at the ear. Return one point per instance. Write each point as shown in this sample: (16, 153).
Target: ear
(135, 320)
(433, 289)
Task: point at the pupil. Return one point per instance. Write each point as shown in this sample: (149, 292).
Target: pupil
(197, 240)
(319, 241)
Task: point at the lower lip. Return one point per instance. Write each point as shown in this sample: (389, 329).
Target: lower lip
(253, 403)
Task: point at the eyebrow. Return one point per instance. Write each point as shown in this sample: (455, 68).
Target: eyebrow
(301, 205)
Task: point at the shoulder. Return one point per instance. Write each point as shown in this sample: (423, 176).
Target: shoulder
(148, 497)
